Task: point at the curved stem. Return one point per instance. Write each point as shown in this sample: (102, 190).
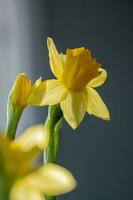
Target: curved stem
(53, 122)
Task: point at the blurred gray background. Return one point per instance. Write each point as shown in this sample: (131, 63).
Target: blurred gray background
(98, 153)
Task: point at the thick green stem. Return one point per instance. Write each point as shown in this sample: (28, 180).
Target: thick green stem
(53, 122)
(50, 198)
(5, 186)
(4, 194)
(14, 113)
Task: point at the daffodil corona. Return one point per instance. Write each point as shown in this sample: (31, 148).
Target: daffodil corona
(20, 178)
(77, 75)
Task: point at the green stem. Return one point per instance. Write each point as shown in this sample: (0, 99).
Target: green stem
(13, 116)
(50, 198)
(53, 122)
(4, 194)
(5, 186)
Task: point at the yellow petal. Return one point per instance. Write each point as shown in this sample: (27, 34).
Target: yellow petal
(55, 92)
(37, 83)
(37, 93)
(21, 90)
(94, 104)
(55, 62)
(49, 92)
(63, 58)
(19, 192)
(35, 136)
(50, 179)
(99, 80)
(73, 109)
(12, 159)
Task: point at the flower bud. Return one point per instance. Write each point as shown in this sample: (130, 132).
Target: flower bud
(21, 90)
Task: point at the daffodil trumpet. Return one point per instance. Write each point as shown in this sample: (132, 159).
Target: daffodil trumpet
(21, 178)
(78, 74)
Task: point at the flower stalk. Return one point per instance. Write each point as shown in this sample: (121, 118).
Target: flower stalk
(14, 113)
(53, 123)
(5, 185)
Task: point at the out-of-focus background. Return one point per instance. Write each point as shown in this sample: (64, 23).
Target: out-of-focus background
(98, 153)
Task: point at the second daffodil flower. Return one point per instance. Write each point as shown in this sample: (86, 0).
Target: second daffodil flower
(22, 91)
(78, 74)
(20, 178)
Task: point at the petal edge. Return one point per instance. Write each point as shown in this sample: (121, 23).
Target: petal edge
(54, 58)
(94, 104)
(99, 80)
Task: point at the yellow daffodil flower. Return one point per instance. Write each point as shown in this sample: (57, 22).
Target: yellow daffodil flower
(21, 95)
(77, 75)
(21, 178)
(22, 91)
